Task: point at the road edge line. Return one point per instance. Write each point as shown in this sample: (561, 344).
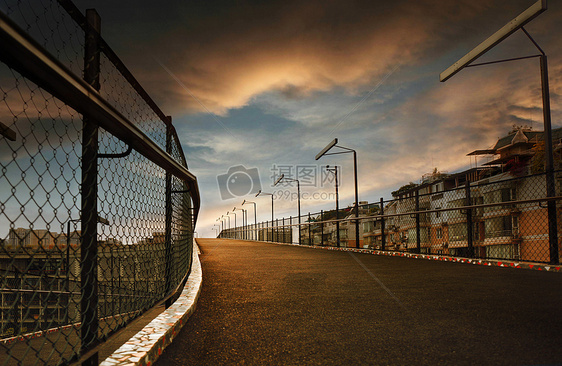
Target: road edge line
(438, 257)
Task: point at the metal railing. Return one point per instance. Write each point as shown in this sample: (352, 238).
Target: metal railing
(97, 206)
(499, 217)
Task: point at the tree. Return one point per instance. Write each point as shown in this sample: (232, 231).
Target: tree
(404, 188)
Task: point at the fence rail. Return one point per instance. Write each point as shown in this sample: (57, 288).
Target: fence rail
(98, 207)
(500, 217)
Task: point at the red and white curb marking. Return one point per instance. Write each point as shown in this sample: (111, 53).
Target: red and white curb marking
(483, 262)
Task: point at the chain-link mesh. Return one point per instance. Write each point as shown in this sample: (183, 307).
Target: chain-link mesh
(49, 24)
(40, 194)
(117, 90)
(499, 217)
(144, 215)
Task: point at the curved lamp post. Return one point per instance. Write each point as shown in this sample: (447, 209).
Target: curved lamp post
(255, 216)
(244, 221)
(324, 151)
(234, 213)
(466, 61)
(222, 224)
(281, 178)
(228, 229)
(334, 171)
(269, 194)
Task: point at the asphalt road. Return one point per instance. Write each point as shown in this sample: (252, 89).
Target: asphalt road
(267, 304)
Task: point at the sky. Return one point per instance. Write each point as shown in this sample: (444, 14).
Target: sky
(258, 88)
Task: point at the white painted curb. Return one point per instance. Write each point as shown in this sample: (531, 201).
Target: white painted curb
(147, 345)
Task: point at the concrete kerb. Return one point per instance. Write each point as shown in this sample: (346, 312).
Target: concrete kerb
(443, 258)
(147, 345)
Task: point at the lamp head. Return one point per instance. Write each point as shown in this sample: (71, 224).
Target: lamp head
(279, 179)
(325, 150)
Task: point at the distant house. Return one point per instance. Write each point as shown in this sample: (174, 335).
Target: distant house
(517, 231)
(34, 239)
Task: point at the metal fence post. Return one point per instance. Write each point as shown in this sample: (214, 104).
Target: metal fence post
(322, 227)
(309, 230)
(291, 227)
(469, 236)
(338, 242)
(550, 185)
(418, 231)
(283, 229)
(383, 237)
(89, 214)
(168, 219)
(356, 201)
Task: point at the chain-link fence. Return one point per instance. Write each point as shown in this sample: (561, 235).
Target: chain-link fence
(500, 216)
(97, 207)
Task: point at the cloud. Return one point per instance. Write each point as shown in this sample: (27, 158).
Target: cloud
(305, 65)
(301, 48)
(439, 127)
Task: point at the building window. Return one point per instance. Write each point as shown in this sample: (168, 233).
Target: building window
(508, 194)
(368, 227)
(439, 233)
(500, 195)
(500, 226)
(457, 232)
(436, 197)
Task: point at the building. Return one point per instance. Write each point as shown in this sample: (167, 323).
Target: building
(42, 274)
(34, 239)
(501, 226)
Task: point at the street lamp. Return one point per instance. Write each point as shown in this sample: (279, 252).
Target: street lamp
(334, 171)
(234, 221)
(269, 194)
(244, 220)
(324, 151)
(217, 233)
(222, 224)
(228, 217)
(255, 214)
(282, 177)
(466, 61)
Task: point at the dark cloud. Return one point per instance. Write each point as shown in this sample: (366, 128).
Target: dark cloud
(227, 52)
(311, 62)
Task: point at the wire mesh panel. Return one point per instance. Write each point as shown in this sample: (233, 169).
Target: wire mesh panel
(49, 24)
(117, 90)
(500, 216)
(143, 216)
(131, 196)
(509, 229)
(40, 197)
